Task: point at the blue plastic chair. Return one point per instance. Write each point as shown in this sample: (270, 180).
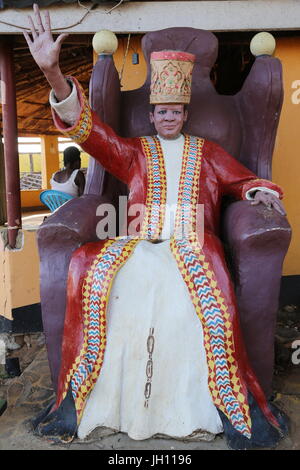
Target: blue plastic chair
(54, 199)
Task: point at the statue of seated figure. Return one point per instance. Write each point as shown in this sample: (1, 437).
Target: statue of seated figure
(152, 342)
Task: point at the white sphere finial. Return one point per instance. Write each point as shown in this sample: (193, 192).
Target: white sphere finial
(263, 44)
(105, 42)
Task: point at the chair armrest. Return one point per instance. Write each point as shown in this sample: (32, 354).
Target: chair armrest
(247, 225)
(69, 227)
(77, 216)
(257, 240)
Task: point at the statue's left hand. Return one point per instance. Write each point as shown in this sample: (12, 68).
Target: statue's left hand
(269, 200)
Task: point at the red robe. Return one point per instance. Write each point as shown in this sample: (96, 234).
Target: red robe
(126, 159)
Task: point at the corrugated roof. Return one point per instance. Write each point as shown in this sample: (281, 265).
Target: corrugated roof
(43, 3)
(32, 89)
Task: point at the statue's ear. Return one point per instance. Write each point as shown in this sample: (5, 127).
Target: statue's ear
(151, 117)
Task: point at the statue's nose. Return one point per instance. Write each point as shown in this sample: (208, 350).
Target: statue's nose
(169, 116)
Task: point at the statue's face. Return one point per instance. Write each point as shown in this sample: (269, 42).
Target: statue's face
(168, 119)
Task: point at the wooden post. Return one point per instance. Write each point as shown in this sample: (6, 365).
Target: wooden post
(10, 134)
(3, 213)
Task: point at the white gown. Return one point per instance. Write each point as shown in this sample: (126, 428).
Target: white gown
(149, 293)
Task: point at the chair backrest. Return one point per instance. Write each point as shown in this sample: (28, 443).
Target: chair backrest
(244, 124)
(206, 105)
(54, 199)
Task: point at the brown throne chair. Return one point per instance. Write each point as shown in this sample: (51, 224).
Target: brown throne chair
(245, 125)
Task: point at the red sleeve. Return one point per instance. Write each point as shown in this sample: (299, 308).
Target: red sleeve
(98, 139)
(236, 179)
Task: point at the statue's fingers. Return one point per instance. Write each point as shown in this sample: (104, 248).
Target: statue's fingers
(47, 21)
(267, 200)
(27, 38)
(279, 207)
(61, 38)
(265, 196)
(266, 203)
(38, 18)
(32, 27)
(259, 197)
(263, 199)
(255, 202)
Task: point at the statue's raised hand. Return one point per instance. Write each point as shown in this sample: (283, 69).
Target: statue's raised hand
(45, 51)
(43, 48)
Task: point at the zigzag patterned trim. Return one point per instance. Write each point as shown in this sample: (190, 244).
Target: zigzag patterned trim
(95, 294)
(185, 218)
(223, 380)
(156, 188)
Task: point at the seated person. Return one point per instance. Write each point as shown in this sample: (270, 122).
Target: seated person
(151, 340)
(70, 180)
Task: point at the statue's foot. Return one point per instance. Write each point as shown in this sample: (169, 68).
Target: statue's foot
(59, 425)
(263, 434)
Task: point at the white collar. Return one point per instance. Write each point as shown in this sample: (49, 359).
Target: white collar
(162, 139)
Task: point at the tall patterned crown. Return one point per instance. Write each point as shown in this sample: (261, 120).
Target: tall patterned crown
(171, 77)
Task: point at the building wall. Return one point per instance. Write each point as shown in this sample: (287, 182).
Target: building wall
(5, 284)
(132, 76)
(31, 199)
(25, 163)
(19, 282)
(25, 274)
(286, 166)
